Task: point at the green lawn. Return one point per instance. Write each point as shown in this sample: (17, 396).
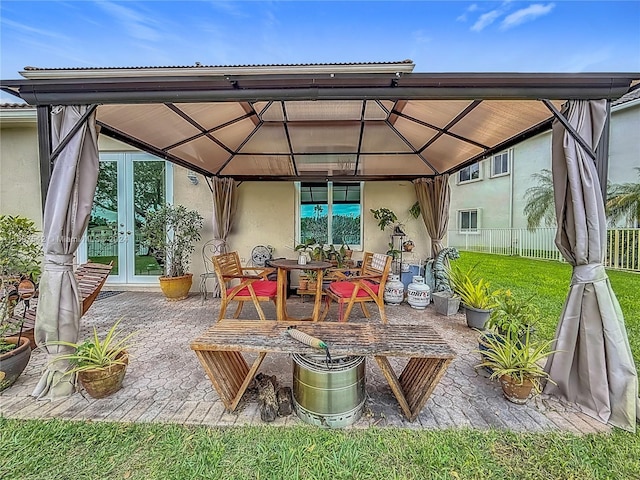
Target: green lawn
(57, 449)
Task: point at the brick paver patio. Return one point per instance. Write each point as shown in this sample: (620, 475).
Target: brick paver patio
(166, 383)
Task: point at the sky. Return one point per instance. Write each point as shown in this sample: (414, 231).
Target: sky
(451, 36)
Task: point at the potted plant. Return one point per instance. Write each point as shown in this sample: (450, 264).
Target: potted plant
(15, 351)
(475, 294)
(513, 315)
(517, 363)
(303, 248)
(171, 233)
(346, 252)
(384, 216)
(20, 253)
(393, 252)
(100, 364)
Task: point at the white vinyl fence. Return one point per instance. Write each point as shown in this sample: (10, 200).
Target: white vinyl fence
(623, 244)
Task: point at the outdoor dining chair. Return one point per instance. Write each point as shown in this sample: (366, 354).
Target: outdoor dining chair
(242, 284)
(209, 250)
(361, 285)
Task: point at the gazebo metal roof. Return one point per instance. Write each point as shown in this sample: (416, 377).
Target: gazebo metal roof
(371, 121)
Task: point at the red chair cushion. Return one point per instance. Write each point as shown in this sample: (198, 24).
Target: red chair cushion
(345, 289)
(263, 288)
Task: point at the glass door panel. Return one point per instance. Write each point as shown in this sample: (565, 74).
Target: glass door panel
(149, 191)
(129, 186)
(105, 232)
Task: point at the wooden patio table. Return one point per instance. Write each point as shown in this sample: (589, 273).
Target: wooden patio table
(220, 349)
(283, 266)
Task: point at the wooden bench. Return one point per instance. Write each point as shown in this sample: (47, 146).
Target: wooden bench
(220, 349)
(91, 278)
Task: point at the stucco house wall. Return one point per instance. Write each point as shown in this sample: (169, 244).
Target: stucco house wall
(501, 200)
(19, 165)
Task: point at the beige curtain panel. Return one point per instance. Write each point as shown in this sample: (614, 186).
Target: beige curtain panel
(66, 213)
(593, 366)
(434, 198)
(225, 201)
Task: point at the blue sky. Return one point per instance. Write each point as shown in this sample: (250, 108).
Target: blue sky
(453, 36)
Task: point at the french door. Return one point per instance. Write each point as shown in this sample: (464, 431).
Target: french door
(129, 186)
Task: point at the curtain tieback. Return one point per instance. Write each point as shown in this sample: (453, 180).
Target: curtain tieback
(58, 262)
(590, 273)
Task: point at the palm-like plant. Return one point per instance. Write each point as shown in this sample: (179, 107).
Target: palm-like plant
(540, 207)
(623, 203)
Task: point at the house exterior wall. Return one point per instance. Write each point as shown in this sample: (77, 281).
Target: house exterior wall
(20, 169)
(624, 143)
(496, 197)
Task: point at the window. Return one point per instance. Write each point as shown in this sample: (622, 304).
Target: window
(472, 172)
(468, 221)
(331, 213)
(500, 164)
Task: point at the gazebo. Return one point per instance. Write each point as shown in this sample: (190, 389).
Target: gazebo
(344, 122)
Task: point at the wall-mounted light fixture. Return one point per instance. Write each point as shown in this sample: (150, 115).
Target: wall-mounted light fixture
(193, 178)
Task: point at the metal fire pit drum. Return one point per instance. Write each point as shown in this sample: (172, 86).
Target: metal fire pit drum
(328, 397)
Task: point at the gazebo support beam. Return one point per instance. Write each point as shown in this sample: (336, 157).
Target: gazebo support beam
(44, 149)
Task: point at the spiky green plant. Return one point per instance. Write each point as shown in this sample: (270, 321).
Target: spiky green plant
(512, 314)
(96, 353)
(473, 290)
(518, 358)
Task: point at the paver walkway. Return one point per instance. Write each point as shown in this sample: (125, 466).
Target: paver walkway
(166, 383)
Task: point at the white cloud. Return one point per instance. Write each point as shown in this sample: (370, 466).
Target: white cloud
(420, 37)
(471, 8)
(526, 15)
(485, 20)
(137, 24)
(32, 30)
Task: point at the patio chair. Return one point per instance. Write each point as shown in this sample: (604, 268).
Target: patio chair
(242, 284)
(361, 285)
(91, 278)
(209, 250)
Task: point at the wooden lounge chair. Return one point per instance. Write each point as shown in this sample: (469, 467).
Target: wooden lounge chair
(361, 285)
(90, 276)
(242, 284)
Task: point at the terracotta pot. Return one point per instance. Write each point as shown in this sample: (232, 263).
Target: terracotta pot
(102, 382)
(13, 362)
(176, 288)
(515, 392)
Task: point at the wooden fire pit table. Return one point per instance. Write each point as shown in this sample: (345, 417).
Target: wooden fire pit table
(220, 349)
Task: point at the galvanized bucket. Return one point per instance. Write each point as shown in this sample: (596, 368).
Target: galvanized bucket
(328, 395)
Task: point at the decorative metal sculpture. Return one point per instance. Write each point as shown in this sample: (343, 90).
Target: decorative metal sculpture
(440, 271)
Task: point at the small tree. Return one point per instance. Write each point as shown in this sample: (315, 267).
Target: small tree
(624, 203)
(20, 248)
(540, 207)
(171, 232)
